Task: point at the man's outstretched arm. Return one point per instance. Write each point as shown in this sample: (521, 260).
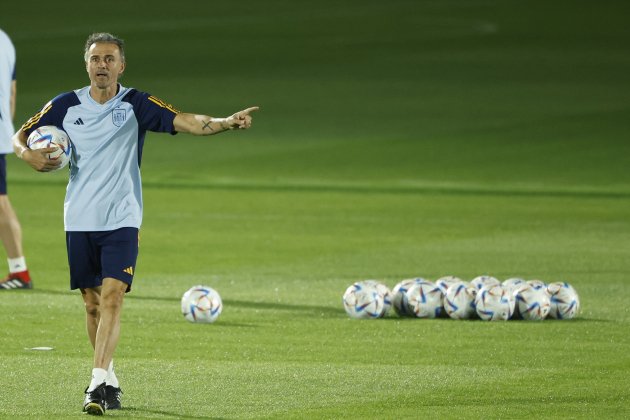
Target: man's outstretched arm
(204, 125)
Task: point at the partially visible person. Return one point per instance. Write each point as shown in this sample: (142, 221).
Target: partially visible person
(10, 229)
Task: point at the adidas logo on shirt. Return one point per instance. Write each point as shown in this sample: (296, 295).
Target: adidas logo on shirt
(79, 121)
(129, 270)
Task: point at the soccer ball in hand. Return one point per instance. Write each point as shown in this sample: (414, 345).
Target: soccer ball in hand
(494, 303)
(201, 304)
(51, 136)
(363, 300)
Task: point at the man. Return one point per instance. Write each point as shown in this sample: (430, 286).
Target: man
(107, 123)
(10, 229)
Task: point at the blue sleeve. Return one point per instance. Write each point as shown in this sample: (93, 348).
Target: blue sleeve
(152, 113)
(52, 113)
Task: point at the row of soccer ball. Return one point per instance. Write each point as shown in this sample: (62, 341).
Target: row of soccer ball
(484, 297)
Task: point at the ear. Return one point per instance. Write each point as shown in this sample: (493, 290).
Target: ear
(122, 67)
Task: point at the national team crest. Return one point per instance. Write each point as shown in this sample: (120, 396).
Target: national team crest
(119, 116)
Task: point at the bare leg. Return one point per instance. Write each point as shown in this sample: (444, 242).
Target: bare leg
(92, 299)
(10, 229)
(108, 331)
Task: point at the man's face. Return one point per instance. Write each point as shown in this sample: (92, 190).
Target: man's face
(104, 65)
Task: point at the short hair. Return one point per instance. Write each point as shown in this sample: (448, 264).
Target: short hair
(104, 37)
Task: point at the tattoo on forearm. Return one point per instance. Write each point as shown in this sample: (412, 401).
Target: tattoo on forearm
(207, 125)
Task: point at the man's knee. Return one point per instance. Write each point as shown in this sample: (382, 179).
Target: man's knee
(5, 207)
(91, 300)
(112, 294)
(92, 310)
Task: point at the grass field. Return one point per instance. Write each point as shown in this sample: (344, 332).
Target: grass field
(395, 139)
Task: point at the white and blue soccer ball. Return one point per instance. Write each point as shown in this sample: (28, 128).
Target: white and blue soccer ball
(513, 284)
(201, 304)
(480, 282)
(384, 291)
(565, 302)
(494, 303)
(51, 136)
(363, 300)
(532, 303)
(399, 296)
(425, 300)
(444, 282)
(459, 301)
(537, 284)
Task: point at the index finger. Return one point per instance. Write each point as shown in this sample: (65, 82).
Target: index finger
(248, 110)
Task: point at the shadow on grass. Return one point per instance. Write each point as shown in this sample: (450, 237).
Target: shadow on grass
(456, 190)
(230, 302)
(399, 189)
(137, 413)
(285, 307)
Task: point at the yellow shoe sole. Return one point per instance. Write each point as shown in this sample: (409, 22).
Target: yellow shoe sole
(94, 409)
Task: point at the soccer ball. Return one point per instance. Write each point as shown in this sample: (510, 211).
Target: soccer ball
(494, 303)
(363, 300)
(399, 299)
(484, 281)
(565, 302)
(384, 292)
(444, 282)
(51, 136)
(537, 284)
(459, 301)
(513, 284)
(532, 303)
(201, 304)
(425, 300)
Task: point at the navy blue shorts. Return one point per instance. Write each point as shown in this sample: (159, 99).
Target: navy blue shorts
(3, 175)
(93, 256)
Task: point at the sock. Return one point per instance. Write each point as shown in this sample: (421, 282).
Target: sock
(98, 377)
(111, 376)
(17, 264)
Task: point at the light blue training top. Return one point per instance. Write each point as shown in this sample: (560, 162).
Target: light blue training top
(105, 190)
(7, 75)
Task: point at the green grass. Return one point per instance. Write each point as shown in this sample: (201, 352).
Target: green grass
(395, 139)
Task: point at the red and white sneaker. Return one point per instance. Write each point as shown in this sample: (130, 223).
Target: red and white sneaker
(20, 280)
